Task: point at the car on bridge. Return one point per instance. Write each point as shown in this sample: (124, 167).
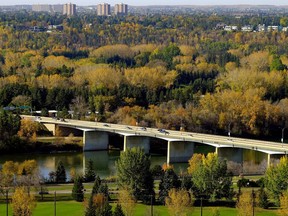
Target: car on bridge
(163, 131)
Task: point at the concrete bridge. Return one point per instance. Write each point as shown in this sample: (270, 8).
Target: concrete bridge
(180, 145)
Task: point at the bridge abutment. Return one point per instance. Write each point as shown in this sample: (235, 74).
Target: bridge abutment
(95, 140)
(137, 141)
(179, 151)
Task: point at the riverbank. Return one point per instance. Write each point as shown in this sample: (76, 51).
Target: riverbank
(45, 145)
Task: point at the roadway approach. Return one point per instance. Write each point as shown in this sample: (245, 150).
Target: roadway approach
(180, 145)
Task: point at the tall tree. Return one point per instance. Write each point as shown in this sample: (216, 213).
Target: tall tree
(133, 170)
(276, 179)
(210, 177)
(60, 173)
(89, 172)
(78, 189)
(168, 181)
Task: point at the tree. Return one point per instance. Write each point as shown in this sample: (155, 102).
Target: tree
(118, 211)
(168, 181)
(178, 202)
(102, 205)
(89, 172)
(276, 179)
(96, 185)
(133, 171)
(60, 173)
(263, 198)
(22, 203)
(90, 209)
(78, 189)
(245, 204)
(283, 210)
(126, 199)
(210, 177)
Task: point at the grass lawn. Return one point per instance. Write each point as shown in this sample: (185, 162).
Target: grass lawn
(73, 208)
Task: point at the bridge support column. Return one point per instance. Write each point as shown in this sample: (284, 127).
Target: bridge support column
(216, 150)
(137, 141)
(179, 151)
(95, 140)
(268, 160)
(51, 128)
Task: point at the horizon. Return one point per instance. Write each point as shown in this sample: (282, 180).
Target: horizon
(151, 2)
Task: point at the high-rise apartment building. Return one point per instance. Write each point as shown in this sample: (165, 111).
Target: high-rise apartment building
(69, 9)
(103, 9)
(121, 9)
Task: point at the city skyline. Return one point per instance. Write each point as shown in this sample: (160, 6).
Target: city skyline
(148, 2)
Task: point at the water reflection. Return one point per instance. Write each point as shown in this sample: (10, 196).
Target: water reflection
(245, 161)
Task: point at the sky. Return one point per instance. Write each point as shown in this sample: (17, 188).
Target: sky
(148, 2)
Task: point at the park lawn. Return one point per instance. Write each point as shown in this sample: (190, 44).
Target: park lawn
(73, 208)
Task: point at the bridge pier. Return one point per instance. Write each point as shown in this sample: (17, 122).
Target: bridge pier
(137, 141)
(95, 140)
(179, 151)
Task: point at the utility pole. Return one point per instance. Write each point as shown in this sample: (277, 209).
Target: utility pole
(7, 203)
(54, 203)
(151, 205)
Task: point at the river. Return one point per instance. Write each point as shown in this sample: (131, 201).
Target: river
(103, 161)
(252, 162)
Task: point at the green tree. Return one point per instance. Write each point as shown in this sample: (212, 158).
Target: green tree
(90, 209)
(118, 211)
(263, 198)
(60, 175)
(96, 185)
(276, 179)
(168, 181)
(78, 189)
(133, 171)
(276, 64)
(89, 172)
(210, 177)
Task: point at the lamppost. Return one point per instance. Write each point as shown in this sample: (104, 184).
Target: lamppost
(151, 213)
(282, 138)
(253, 202)
(229, 131)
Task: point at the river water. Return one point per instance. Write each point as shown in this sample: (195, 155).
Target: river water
(103, 161)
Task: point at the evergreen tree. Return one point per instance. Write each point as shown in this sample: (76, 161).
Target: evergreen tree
(60, 173)
(90, 209)
(103, 189)
(118, 211)
(96, 185)
(78, 189)
(263, 198)
(168, 181)
(89, 172)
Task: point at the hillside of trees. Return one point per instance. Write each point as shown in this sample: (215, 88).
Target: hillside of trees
(157, 71)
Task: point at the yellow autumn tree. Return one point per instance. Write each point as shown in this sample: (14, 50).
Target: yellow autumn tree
(245, 204)
(178, 202)
(283, 210)
(22, 203)
(127, 201)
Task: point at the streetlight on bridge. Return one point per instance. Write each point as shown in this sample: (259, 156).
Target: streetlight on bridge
(282, 138)
(229, 129)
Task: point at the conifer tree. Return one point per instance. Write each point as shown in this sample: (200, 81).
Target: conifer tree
(78, 190)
